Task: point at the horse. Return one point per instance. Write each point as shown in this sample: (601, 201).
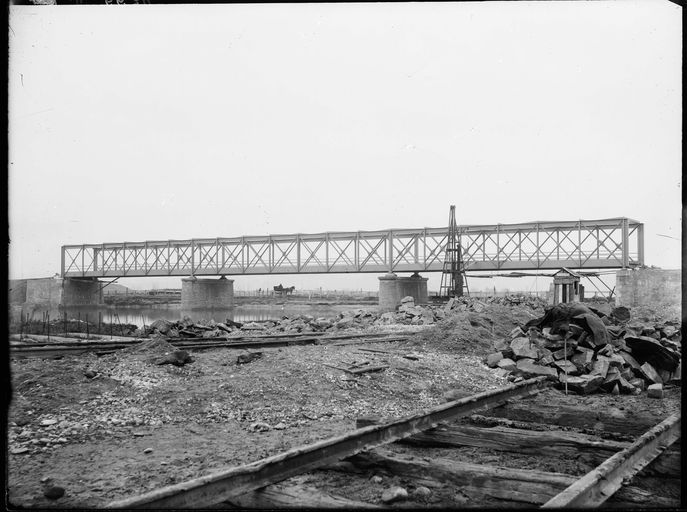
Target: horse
(281, 290)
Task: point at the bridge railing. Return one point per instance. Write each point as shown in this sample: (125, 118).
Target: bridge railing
(606, 243)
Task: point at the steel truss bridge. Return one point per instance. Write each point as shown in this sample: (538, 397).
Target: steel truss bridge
(585, 244)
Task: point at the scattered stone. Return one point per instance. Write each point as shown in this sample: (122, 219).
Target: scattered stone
(376, 479)
(139, 434)
(259, 426)
(54, 492)
(148, 450)
(615, 390)
(176, 358)
(248, 357)
(19, 451)
(493, 359)
(47, 423)
(90, 374)
(394, 494)
(422, 492)
(280, 426)
(655, 391)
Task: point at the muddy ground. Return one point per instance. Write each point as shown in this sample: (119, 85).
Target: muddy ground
(136, 426)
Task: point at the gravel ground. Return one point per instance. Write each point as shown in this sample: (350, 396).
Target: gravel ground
(137, 426)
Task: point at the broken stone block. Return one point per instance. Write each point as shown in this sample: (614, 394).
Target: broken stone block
(583, 358)
(247, 358)
(563, 353)
(529, 369)
(638, 383)
(625, 387)
(408, 299)
(506, 364)
(629, 359)
(493, 359)
(583, 384)
(616, 360)
(567, 367)
(593, 324)
(606, 350)
(655, 391)
(516, 333)
(522, 347)
(501, 345)
(600, 367)
(626, 373)
(615, 390)
(612, 379)
(650, 373)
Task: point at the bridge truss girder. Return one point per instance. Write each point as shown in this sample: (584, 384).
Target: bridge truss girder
(606, 243)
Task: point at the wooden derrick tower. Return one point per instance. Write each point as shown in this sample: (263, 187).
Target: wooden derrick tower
(453, 280)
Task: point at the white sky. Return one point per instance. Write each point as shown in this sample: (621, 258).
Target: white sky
(135, 122)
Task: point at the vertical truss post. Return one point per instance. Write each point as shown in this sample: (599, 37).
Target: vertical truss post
(626, 243)
(640, 244)
(63, 261)
(391, 250)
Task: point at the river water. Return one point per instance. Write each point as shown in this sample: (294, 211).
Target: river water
(140, 315)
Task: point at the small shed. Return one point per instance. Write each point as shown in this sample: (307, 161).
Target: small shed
(567, 287)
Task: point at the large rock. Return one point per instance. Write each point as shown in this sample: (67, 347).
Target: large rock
(650, 373)
(655, 391)
(161, 326)
(584, 384)
(507, 364)
(408, 301)
(522, 347)
(567, 367)
(529, 369)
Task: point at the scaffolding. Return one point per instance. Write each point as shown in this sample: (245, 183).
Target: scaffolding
(454, 282)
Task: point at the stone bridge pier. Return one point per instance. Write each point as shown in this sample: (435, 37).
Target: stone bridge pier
(82, 291)
(206, 293)
(393, 288)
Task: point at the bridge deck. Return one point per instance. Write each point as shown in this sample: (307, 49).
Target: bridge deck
(591, 244)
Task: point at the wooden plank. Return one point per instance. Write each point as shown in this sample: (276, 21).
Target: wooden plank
(589, 449)
(480, 481)
(598, 485)
(221, 486)
(281, 496)
(517, 485)
(633, 422)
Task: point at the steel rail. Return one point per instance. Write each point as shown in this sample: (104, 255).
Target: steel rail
(47, 350)
(218, 487)
(594, 488)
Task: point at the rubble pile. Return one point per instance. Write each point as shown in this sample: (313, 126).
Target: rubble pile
(407, 313)
(590, 351)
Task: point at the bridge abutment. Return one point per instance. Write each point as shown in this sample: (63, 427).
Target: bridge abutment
(207, 293)
(393, 288)
(82, 292)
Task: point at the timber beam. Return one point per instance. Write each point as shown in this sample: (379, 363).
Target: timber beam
(224, 485)
(598, 485)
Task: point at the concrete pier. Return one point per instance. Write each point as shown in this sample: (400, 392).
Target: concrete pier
(78, 292)
(393, 288)
(648, 287)
(207, 293)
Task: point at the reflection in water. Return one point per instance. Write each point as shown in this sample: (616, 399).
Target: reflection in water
(140, 315)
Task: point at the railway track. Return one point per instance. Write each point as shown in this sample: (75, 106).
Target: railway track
(61, 348)
(373, 449)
